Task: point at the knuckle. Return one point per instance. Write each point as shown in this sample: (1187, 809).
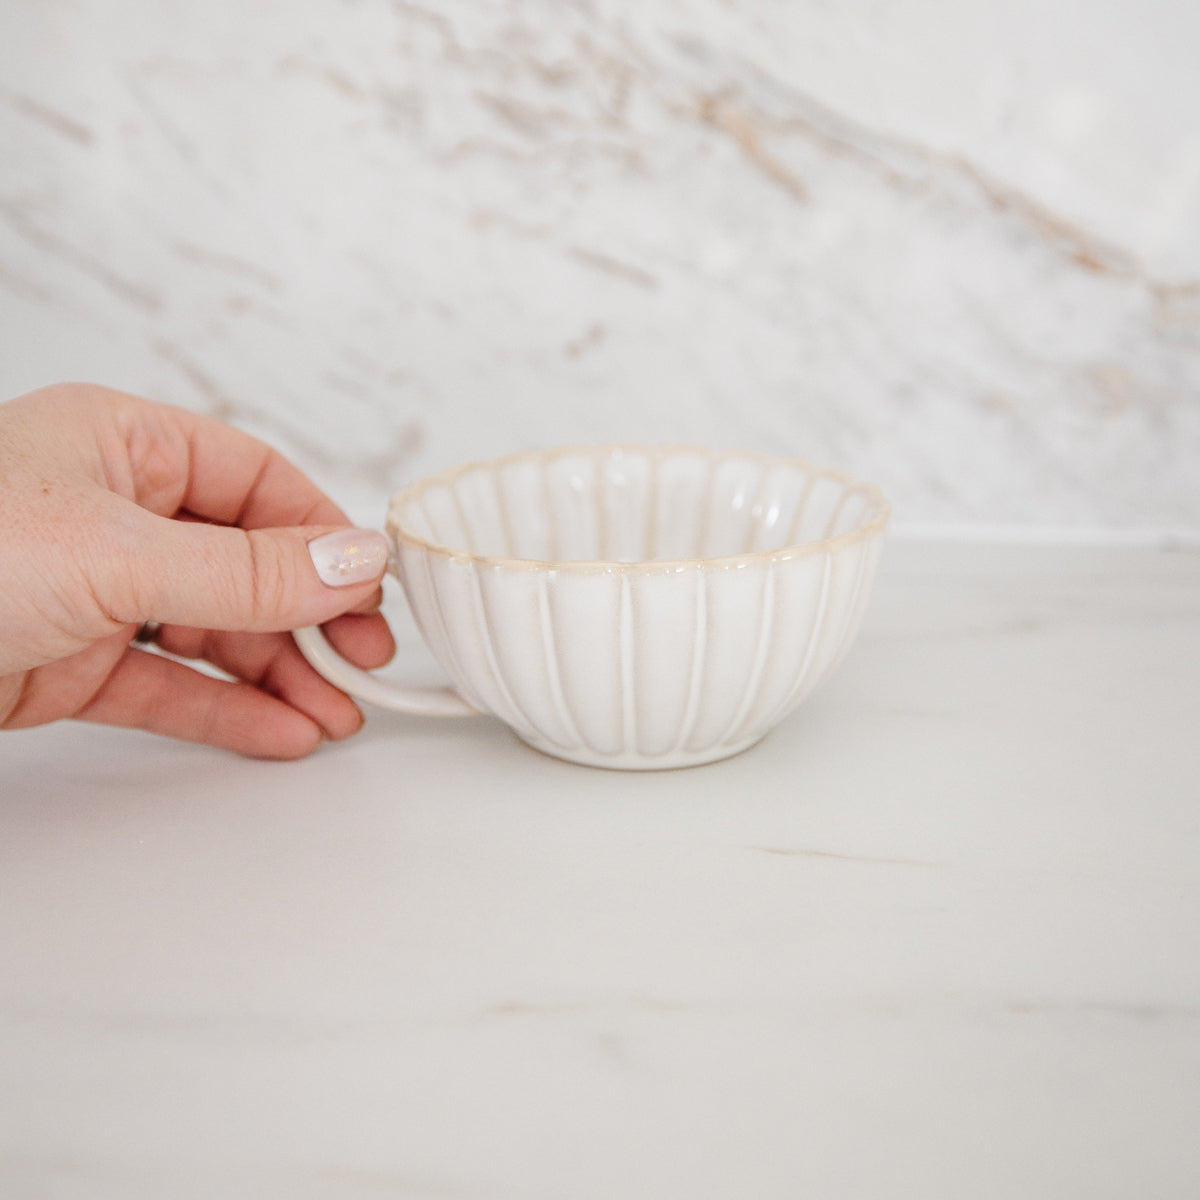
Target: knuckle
(270, 581)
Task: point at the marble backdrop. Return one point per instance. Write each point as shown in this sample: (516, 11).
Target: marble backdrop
(952, 247)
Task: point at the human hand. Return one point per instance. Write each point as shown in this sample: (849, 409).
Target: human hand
(114, 512)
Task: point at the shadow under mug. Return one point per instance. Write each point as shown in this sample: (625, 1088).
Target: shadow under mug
(634, 607)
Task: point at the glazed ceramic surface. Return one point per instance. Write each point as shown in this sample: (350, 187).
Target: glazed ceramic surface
(636, 607)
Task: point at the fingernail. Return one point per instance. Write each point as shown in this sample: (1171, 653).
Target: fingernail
(349, 556)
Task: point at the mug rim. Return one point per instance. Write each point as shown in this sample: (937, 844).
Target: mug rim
(880, 515)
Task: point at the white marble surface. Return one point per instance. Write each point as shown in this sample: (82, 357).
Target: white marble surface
(935, 937)
(955, 249)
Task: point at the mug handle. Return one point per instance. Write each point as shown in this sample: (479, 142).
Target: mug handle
(362, 685)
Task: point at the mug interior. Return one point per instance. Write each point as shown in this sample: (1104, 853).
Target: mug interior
(634, 504)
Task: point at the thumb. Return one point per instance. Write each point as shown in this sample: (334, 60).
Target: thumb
(256, 580)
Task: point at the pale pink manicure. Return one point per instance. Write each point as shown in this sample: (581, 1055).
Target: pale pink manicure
(349, 556)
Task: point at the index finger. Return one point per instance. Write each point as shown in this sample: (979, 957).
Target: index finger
(235, 479)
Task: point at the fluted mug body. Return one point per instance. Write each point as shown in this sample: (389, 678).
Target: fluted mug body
(638, 607)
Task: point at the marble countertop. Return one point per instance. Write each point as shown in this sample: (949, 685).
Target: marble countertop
(935, 937)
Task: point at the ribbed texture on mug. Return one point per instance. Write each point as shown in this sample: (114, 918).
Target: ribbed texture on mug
(619, 690)
(536, 583)
(634, 506)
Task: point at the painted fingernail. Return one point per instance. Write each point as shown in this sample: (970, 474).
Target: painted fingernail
(349, 556)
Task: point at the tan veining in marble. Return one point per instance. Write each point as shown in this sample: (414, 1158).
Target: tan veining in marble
(230, 264)
(529, 119)
(21, 220)
(805, 852)
(1147, 1012)
(739, 124)
(22, 285)
(591, 339)
(48, 117)
(220, 404)
(600, 261)
(486, 217)
(904, 163)
(636, 1003)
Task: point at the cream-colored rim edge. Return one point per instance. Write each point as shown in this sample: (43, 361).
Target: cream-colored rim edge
(407, 495)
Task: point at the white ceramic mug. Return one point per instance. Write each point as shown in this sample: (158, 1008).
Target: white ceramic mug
(628, 606)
